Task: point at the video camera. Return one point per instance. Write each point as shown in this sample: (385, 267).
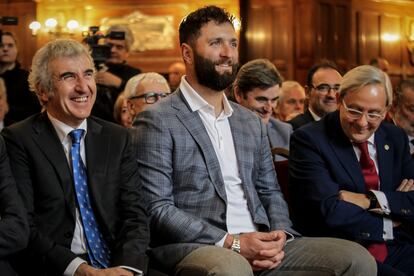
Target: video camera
(7, 20)
(100, 52)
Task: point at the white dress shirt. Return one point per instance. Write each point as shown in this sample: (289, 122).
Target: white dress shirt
(388, 233)
(239, 218)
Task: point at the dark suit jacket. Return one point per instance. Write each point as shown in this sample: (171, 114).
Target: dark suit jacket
(183, 183)
(301, 120)
(44, 180)
(14, 230)
(323, 161)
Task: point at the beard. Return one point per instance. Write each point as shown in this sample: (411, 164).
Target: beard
(208, 76)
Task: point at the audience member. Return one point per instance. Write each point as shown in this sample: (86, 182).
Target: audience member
(175, 72)
(402, 111)
(380, 63)
(22, 102)
(291, 101)
(89, 221)
(145, 89)
(4, 107)
(113, 77)
(322, 87)
(351, 174)
(257, 87)
(14, 230)
(208, 178)
(122, 114)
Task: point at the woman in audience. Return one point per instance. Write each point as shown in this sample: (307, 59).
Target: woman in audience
(121, 113)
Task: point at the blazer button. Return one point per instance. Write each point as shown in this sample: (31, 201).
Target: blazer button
(68, 235)
(365, 235)
(223, 216)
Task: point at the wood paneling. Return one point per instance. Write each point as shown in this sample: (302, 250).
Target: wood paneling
(268, 33)
(381, 29)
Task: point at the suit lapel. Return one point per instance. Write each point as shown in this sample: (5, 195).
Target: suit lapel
(237, 128)
(385, 153)
(96, 150)
(46, 138)
(345, 153)
(192, 122)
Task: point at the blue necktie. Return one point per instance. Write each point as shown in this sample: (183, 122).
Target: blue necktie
(98, 251)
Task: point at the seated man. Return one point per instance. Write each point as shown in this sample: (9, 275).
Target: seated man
(208, 178)
(145, 89)
(14, 230)
(291, 101)
(351, 173)
(76, 175)
(257, 87)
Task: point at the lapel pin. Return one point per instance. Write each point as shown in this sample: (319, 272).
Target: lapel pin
(386, 147)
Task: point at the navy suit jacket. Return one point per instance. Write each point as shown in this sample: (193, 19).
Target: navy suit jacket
(301, 119)
(323, 162)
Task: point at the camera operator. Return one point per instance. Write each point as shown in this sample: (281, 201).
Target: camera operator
(112, 79)
(22, 102)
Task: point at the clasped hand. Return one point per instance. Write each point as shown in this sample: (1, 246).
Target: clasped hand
(87, 270)
(263, 250)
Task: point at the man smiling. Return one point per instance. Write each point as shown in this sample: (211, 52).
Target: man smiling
(351, 174)
(76, 175)
(257, 87)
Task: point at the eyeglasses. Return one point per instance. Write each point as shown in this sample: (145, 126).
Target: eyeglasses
(324, 88)
(372, 117)
(150, 97)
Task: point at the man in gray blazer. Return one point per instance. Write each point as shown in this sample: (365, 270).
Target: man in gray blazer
(257, 88)
(208, 181)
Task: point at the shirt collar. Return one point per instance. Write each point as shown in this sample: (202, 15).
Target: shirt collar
(315, 117)
(196, 102)
(63, 129)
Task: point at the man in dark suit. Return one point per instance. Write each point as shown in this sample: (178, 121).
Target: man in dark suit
(14, 230)
(76, 175)
(257, 87)
(322, 86)
(351, 174)
(208, 177)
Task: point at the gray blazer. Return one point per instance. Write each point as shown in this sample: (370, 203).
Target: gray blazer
(182, 182)
(279, 135)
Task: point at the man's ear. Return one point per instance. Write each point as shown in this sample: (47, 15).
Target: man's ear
(42, 94)
(187, 53)
(237, 94)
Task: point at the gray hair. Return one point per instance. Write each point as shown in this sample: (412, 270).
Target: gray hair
(129, 37)
(40, 76)
(289, 85)
(365, 75)
(132, 84)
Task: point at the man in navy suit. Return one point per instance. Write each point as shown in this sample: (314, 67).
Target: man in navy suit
(329, 175)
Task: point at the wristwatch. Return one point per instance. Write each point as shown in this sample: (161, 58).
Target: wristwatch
(235, 246)
(373, 201)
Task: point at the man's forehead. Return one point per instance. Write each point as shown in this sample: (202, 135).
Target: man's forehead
(74, 63)
(116, 41)
(214, 29)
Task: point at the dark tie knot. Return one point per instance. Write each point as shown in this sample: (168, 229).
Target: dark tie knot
(76, 135)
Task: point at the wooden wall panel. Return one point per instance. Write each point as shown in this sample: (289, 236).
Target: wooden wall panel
(269, 33)
(382, 30)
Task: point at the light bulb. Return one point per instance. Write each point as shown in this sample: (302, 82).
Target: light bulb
(51, 23)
